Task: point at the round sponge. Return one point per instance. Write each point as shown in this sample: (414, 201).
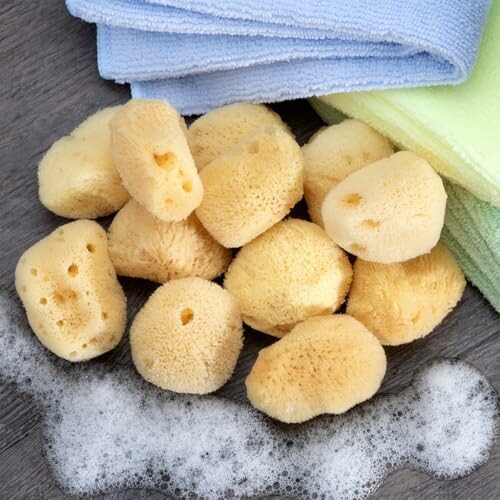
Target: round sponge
(335, 152)
(77, 177)
(151, 154)
(290, 273)
(187, 337)
(389, 211)
(216, 132)
(251, 187)
(326, 364)
(143, 246)
(68, 286)
(403, 302)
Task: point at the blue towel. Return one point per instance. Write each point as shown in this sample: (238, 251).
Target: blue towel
(154, 55)
(213, 52)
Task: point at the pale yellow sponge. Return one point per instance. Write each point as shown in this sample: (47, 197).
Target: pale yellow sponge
(335, 152)
(290, 273)
(68, 286)
(327, 364)
(219, 130)
(77, 177)
(389, 211)
(143, 246)
(187, 337)
(403, 302)
(251, 187)
(151, 154)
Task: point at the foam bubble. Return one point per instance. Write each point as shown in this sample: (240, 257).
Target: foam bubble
(108, 430)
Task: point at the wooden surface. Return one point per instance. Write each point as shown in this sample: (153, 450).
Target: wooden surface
(49, 83)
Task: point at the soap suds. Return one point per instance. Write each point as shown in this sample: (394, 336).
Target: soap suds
(110, 429)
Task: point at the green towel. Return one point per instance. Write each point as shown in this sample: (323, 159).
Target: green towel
(456, 128)
(471, 232)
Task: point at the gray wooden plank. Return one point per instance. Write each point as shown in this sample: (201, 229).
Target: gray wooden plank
(48, 84)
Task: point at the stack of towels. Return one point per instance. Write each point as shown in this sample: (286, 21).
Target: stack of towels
(201, 54)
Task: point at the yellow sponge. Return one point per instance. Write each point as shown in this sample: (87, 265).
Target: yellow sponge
(151, 154)
(251, 187)
(389, 211)
(406, 301)
(142, 246)
(326, 364)
(219, 130)
(335, 152)
(187, 337)
(291, 272)
(68, 286)
(77, 177)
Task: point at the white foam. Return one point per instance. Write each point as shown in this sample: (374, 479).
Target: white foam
(107, 430)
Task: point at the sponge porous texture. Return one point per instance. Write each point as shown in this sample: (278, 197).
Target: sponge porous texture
(291, 272)
(403, 302)
(151, 154)
(216, 132)
(68, 286)
(251, 187)
(326, 364)
(143, 246)
(333, 153)
(77, 177)
(188, 336)
(389, 211)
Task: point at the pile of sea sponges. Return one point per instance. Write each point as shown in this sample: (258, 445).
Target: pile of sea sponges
(186, 198)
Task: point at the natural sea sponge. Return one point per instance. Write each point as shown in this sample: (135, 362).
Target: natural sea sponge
(251, 187)
(151, 154)
(77, 177)
(68, 286)
(187, 337)
(143, 246)
(291, 272)
(333, 153)
(326, 364)
(389, 211)
(403, 302)
(216, 132)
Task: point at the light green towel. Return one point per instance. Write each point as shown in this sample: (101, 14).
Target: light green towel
(456, 128)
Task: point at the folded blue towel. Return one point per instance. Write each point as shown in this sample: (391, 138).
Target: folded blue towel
(187, 51)
(151, 56)
(196, 94)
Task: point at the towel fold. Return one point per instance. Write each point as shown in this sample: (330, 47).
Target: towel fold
(154, 55)
(205, 54)
(457, 129)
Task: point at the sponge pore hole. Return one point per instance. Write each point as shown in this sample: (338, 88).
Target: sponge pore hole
(90, 247)
(165, 161)
(148, 362)
(73, 270)
(370, 224)
(60, 324)
(43, 301)
(253, 147)
(73, 354)
(187, 186)
(33, 271)
(187, 316)
(104, 315)
(352, 200)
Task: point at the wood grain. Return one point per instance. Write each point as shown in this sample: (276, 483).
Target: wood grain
(49, 83)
